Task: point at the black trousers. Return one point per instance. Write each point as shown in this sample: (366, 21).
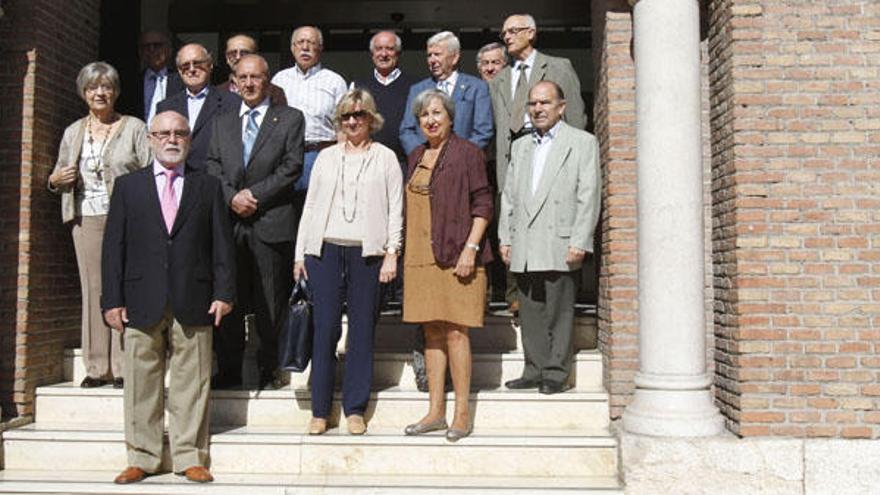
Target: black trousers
(264, 281)
(546, 311)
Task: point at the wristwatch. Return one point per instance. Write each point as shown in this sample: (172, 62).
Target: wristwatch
(475, 247)
(390, 250)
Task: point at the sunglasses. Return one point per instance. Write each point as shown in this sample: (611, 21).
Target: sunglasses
(360, 114)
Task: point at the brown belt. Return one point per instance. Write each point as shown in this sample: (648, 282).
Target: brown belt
(318, 145)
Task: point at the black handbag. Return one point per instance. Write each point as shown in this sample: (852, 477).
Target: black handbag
(297, 330)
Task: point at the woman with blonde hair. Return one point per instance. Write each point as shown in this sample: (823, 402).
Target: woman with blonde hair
(348, 240)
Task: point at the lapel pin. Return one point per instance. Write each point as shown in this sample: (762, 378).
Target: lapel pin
(274, 119)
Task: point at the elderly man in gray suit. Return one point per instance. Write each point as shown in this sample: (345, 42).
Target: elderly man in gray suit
(549, 210)
(509, 90)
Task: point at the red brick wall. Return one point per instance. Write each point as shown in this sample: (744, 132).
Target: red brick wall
(614, 111)
(43, 45)
(795, 147)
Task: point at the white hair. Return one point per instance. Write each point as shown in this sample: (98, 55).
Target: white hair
(451, 40)
(320, 35)
(398, 44)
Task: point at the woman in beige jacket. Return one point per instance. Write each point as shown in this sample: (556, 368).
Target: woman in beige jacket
(348, 239)
(94, 151)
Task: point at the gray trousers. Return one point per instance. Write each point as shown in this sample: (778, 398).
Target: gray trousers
(546, 311)
(188, 393)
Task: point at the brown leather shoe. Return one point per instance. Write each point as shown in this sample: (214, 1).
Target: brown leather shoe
(356, 425)
(317, 426)
(198, 474)
(131, 474)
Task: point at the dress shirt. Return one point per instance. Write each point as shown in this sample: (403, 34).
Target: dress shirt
(159, 174)
(315, 93)
(194, 104)
(542, 149)
(448, 85)
(263, 107)
(385, 81)
(514, 79)
(155, 84)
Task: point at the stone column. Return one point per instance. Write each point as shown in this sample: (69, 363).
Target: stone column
(672, 395)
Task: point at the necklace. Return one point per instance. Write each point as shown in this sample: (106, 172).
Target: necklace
(96, 160)
(357, 180)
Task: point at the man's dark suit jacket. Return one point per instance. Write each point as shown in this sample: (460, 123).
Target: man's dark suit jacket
(276, 161)
(174, 86)
(216, 103)
(145, 269)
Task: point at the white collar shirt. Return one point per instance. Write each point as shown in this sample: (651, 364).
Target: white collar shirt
(385, 81)
(542, 149)
(448, 85)
(315, 93)
(194, 104)
(155, 85)
(244, 110)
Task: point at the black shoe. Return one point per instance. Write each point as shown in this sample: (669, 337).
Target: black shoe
(89, 382)
(549, 387)
(522, 384)
(223, 382)
(268, 381)
(118, 382)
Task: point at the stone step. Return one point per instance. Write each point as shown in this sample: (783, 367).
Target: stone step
(521, 454)
(394, 369)
(99, 482)
(499, 336)
(67, 404)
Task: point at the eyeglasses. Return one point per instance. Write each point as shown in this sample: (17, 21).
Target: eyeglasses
(360, 114)
(166, 135)
(238, 53)
(93, 88)
(302, 43)
(194, 65)
(153, 45)
(513, 31)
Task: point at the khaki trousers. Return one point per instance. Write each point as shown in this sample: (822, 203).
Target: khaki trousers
(188, 393)
(101, 347)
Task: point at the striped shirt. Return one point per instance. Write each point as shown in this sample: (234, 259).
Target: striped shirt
(315, 94)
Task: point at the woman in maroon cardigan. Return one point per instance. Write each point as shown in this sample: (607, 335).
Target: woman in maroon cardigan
(448, 205)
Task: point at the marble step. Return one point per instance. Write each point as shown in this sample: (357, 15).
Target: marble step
(501, 335)
(66, 404)
(518, 454)
(394, 369)
(99, 482)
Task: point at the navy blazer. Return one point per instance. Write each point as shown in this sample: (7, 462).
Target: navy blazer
(216, 103)
(146, 269)
(473, 112)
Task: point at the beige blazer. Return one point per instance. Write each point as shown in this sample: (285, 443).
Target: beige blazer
(379, 201)
(547, 68)
(564, 210)
(127, 151)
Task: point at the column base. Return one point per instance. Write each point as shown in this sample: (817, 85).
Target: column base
(673, 413)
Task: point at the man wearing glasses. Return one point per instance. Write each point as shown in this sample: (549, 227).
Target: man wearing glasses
(199, 102)
(168, 275)
(510, 90)
(314, 90)
(257, 152)
(238, 46)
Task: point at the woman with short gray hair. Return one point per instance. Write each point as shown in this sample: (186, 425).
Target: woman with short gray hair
(94, 151)
(449, 204)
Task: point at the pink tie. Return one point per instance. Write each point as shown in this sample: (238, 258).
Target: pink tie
(169, 200)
